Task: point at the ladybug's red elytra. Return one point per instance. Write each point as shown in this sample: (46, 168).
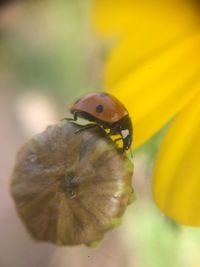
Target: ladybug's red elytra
(106, 111)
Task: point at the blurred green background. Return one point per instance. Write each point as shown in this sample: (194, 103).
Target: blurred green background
(49, 55)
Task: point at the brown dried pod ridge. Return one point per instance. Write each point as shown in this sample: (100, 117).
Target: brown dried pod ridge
(70, 188)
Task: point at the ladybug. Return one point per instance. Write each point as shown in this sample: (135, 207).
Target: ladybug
(107, 112)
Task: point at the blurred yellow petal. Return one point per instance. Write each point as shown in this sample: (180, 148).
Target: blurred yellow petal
(112, 16)
(156, 63)
(136, 49)
(121, 16)
(155, 71)
(160, 87)
(176, 178)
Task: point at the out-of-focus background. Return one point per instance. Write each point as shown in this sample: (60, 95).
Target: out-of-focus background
(49, 55)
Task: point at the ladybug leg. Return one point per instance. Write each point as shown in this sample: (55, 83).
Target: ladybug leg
(118, 139)
(88, 126)
(115, 129)
(71, 119)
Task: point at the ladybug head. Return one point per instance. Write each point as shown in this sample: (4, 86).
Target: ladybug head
(125, 129)
(127, 139)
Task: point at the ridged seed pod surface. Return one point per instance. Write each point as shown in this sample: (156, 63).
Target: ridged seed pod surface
(70, 188)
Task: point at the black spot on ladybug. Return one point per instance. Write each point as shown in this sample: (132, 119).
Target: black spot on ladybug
(99, 108)
(103, 95)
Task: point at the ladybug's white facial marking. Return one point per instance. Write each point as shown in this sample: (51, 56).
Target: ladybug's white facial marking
(125, 133)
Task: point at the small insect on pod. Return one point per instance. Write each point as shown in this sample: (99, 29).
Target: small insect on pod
(106, 111)
(69, 188)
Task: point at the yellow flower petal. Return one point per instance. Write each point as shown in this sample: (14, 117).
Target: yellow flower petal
(138, 48)
(156, 90)
(147, 28)
(120, 16)
(109, 16)
(176, 178)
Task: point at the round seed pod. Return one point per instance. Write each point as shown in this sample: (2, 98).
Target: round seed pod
(70, 188)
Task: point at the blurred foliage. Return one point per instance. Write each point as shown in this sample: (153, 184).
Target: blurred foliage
(49, 46)
(151, 147)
